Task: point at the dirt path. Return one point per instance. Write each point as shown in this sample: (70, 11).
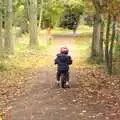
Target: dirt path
(44, 101)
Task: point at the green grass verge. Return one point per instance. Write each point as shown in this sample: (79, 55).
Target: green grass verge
(24, 57)
(82, 29)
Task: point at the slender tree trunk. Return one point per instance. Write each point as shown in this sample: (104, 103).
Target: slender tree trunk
(41, 14)
(117, 50)
(33, 23)
(107, 43)
(101, 41)
(93, 52)
(111, 45)
(8, 44)
(24, 24)
(1, 35)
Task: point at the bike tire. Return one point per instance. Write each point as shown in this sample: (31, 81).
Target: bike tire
(62, 81)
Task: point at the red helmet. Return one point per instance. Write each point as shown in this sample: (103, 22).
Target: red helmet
(64, 50)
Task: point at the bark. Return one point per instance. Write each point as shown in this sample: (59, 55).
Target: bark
(107, 43)
(24, 24)
(27, 3)
(8, 44)
(33, 23)
(97, 39)
(102, 40)
(1, 35)
(41, 14)
(112, 45)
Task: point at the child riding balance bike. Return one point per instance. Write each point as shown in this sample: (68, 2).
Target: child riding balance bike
(63, 60)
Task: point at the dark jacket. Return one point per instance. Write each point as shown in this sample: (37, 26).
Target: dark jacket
(63, 61)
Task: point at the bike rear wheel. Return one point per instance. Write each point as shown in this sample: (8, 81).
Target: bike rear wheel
(63, 81)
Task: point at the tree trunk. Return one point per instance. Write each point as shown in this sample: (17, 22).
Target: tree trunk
(8, 44)
(107, 43)
(101, 41)
(97, 41)
(24, 24)
(41, 14)
(117, 49)
(111, 46)
(1, 35)
(33, 23)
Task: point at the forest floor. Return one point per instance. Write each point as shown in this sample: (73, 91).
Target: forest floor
(93, 95)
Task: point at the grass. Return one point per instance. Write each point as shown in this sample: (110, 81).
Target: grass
(31, 58)
(22, 46)
(24, 56)
(81, 29)
(83, 50)
(83, 45)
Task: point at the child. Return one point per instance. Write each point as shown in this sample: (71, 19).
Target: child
(63, 60)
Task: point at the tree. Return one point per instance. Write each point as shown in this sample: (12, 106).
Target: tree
(21, 14)
(41, 13)
(25, 18)
(71, 16)
(117, 46)
(89, 20)
(1, 35)
(105, 10)
(112, 9)
(110, 66)
(8, 43)
(52, 12)
(33, 23)
(89, 12)
(98, 28)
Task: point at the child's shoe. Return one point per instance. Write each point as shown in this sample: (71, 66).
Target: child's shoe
(58, 83)
(67, 84)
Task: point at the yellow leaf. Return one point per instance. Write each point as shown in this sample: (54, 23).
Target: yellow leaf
(1, 118)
